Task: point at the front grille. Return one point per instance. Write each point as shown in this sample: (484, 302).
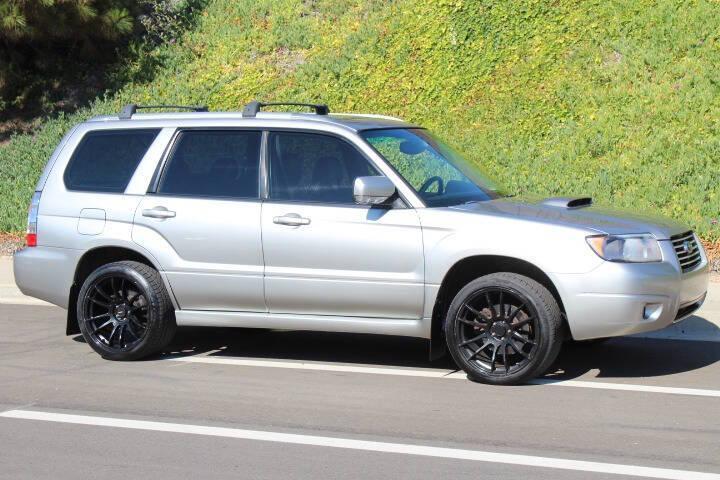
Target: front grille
(687, 250)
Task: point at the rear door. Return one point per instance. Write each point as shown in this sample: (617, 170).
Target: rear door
(324, 254)
(202, 220)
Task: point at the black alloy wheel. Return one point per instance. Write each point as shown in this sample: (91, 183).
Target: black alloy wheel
(497, 330)
(124, 311)
(115, 312)
(504, 328)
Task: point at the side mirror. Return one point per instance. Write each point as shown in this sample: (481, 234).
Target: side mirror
(373, 190)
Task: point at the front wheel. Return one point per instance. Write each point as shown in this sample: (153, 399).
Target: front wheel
(504, 329)
(124, 311)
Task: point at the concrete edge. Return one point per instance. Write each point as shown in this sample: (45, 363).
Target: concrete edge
(704, 326)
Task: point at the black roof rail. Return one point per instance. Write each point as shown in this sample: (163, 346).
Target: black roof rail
(129, 110)
(252, 108)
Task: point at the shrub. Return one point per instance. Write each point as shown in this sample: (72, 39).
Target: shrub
(613, 99)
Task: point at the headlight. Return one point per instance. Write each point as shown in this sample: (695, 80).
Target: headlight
(641, 247)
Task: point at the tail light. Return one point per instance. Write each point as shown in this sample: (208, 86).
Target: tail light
(31, 235)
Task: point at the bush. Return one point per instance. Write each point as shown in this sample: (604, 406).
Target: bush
(613, 99)
(56, 55)
(46, 42)
(166, 20)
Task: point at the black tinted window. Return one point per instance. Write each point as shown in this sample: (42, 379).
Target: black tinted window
(106, 160)
(314, 168)
(221, 163)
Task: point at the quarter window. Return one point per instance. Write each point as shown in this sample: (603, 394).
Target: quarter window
(223, 163)
(307, 167)
(105, 160)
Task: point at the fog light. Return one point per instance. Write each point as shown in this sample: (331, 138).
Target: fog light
(652, 311)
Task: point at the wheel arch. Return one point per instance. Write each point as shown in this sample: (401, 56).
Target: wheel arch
(469, 268)
(89, 262)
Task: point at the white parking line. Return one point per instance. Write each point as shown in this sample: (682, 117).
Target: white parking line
(351, 444)
(435, 373)
(245, 362)
(629, 387)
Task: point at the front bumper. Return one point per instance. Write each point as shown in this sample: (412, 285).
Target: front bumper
(622, 299)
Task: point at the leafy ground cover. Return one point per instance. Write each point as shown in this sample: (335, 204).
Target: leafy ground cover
(619, 100)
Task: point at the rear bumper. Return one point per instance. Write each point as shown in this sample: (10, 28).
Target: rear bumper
(622, 299)
(46, 273)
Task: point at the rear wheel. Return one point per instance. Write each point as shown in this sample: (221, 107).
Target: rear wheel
(503, 329)
(124, 311)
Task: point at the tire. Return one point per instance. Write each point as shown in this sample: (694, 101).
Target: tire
(504, 316)
(124, 311)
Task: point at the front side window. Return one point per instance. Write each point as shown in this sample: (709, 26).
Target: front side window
(306, 167)
(206, 163)
(105, 160)
(439, 175)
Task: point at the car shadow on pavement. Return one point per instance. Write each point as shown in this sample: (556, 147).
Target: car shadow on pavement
(632, 357)
(627, 357)
(327, 347)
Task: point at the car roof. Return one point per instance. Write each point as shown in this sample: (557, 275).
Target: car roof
(351, 121)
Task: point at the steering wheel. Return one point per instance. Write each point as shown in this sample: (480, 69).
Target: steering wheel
(426, 184)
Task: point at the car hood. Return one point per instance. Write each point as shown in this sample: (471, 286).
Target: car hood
(594, 218)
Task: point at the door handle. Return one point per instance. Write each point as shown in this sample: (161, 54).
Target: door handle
(292, 219)
(158, 212)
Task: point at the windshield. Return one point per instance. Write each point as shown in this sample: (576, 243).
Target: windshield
(439, 175)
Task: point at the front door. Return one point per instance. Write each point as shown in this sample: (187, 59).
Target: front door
(324, 255)
(203, 221)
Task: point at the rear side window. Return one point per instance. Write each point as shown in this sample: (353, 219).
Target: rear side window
(105, 160)
(205, 163)
(306, 167)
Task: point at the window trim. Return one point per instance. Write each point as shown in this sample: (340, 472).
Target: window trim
(266, 171)
(155, 180)
(170, 151)
(101, 131)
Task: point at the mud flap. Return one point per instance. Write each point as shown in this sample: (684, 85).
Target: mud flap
(72, 327)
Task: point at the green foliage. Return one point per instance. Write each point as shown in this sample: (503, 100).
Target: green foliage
(43, 37)
(167, 20)
(58, 54)
(615, 99)
(79, 20)
(20, 165)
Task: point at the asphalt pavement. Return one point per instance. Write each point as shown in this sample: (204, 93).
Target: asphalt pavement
(232, 403)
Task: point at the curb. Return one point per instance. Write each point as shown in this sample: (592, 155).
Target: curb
(9, 293)
(703, 326)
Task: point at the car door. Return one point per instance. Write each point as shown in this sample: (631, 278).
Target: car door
(202, 220)
(325, 255)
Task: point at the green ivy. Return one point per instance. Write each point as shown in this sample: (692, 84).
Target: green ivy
(618, 100)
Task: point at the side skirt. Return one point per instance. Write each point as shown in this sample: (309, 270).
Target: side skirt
(285, 321)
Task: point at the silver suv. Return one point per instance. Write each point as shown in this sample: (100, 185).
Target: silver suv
(344, 223)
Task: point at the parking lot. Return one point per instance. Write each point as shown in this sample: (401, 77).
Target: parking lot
(271, 404)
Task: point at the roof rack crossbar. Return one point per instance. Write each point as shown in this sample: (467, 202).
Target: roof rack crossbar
(252, 108)
(129, 110)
